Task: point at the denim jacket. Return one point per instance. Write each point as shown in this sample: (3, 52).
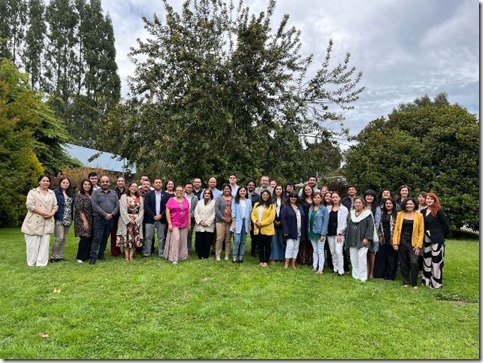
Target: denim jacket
(321, 220)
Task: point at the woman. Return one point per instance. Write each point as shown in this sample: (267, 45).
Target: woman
(336, 228)
(293, 220)
(205, 224)
(241, 209)
(408, 240)
(120, 189)
(327, 199)
(404, 193)
(372, 205)
(385, 265)
(436, 229)
(170, 188)
(83, 220)
(421, 205)
(359, 236)
(39, 223)
(178, 217)
(289, 188)
(305, 249)
(318, 222)
(278, 249)
(263, 215)
(223, 222)
(63, 218)
(130, 226)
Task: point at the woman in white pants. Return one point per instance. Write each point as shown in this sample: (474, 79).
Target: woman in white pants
(293, 218)
(39, 224)
(335, 233)
(318, 220)
(359, 235)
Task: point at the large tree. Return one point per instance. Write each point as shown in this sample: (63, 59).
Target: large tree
(30, 143)
(428, 144)
(217, 89)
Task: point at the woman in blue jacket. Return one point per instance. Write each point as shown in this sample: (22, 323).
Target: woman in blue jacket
(317, 225)
(293, 220)
(64, 217)
(241, 209)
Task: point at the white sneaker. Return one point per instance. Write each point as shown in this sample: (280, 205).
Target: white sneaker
(80, 261)
(175, 262)
(226, 258)
(218, 258)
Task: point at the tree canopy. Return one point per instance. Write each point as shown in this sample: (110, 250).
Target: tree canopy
(30, 143)
(430, 145)
(217, 89)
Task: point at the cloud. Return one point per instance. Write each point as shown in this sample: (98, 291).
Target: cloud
(405, 49)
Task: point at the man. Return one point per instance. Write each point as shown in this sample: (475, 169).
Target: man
(234, 186)
(155, 217)
(197, 190)
(348, 201)
(273, 184)
(120, 189)
(254, 197)
(264, 184)
(192, 200)
(145, 188)
(92, 176)
(105, 205)
(212, 186)
(313, 183)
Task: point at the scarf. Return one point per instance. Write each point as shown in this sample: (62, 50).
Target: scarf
(364, 214)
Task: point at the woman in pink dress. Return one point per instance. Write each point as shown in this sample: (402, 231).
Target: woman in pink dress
(178, 216)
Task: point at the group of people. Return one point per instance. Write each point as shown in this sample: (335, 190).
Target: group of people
(315, 227)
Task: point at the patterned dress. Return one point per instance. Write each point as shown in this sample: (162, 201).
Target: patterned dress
(82, 205)
(132, 238)
(305, 255)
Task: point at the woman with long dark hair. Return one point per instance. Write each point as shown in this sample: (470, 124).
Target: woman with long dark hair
(293, 220)
(83, 220)
(278, 248)
(372, 205)
(241, 211)
(408, 240)
(223, 222)
(385, 265)
(205, 224)
(129, 229)
(63, 218)
(338, 214)
(436, 228)
(263, 215)
(305, 256)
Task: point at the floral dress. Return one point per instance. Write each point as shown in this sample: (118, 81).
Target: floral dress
(132, 238)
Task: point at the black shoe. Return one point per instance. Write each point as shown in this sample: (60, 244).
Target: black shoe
(240, 261)
(101, 258)
(52, 260)
(93, 261)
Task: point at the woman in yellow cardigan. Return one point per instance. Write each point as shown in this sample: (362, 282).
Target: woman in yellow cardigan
(408, 240)
(263, 215)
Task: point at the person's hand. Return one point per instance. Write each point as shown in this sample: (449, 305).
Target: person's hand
(416, 251)
(170, 227)
(108, 216)
(86, 225)
(364, 242)
(396, 247)
(339, 238)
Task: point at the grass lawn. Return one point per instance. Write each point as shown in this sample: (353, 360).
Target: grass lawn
(151, 309)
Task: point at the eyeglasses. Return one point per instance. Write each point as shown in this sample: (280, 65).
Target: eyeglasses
(293, 197)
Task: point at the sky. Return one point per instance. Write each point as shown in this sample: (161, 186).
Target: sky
(405, 48)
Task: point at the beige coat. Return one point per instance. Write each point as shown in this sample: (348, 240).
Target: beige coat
(124, 217)
(35, 224)
(206, 213)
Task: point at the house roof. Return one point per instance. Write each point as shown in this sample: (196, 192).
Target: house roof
(93, 158)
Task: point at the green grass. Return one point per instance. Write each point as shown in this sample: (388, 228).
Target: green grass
(151, 309)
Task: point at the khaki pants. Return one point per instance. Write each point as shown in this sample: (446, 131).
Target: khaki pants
(223, 233)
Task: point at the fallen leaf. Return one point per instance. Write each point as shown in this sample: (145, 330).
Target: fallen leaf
(56, 290)
(43, 335)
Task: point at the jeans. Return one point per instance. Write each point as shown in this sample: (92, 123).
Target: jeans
(60, 233)
(318, 254)
(102, 230)
(239, 243)
(149, 236)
